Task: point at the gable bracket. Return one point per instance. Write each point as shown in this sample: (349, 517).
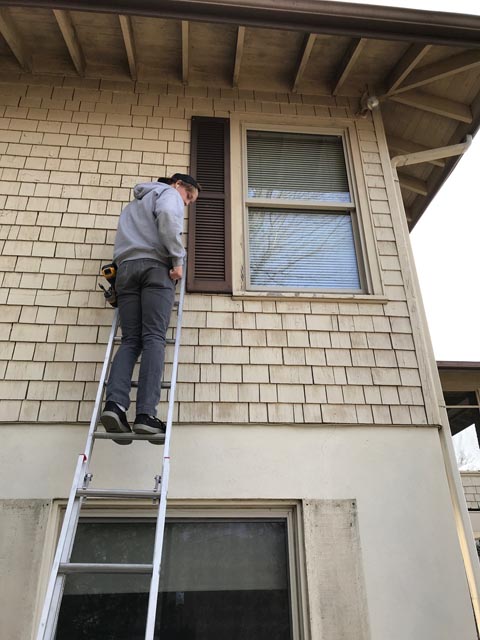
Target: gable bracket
(405, 66)
(440, 70)
(69, 34)
(185, 50)
(304, 58)
(238, 55)
(129, 41)
(348, 62)
(434, 104)
(14, 40)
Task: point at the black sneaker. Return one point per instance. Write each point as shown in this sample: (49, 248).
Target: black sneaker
(115, 421)
(149, 425)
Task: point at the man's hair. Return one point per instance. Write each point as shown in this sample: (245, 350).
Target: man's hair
(181, 177)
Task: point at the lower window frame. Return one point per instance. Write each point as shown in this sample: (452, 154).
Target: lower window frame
(121, 511)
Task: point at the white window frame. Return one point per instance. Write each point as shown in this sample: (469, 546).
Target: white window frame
(288, 511)
(359, 207)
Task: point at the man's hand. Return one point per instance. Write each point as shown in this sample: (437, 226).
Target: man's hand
(176, 273)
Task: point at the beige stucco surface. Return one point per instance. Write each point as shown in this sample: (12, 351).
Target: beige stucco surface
(414, 578)
(22, 533)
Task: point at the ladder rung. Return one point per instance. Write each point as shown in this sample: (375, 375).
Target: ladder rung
(164, 385)
(117, 493)
(87, 567)
(118, 340)
(103, 435)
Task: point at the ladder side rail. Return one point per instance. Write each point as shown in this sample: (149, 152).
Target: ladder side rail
(162, 505)
(52, 620)
(101, 386)
(176, 356)
(52, 587)
(53, 596)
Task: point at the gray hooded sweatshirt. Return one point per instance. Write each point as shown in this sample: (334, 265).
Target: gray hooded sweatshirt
(151, 226)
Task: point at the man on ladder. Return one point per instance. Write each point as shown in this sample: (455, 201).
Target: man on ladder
(149, 255)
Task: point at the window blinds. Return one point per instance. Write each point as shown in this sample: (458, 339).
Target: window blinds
(302, 249)
(296, 166)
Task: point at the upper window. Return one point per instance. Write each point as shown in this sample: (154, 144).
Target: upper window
(301, 230)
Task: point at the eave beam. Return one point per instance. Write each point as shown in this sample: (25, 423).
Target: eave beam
(433, 104)
(431, 154)
(440, 70)
(238, 55)
(129, 42)
(14, 40)
(304, 58)
(69, 34)
(185, 50)
(348, 62)
(401, 146)
(405, 66)
(308, 16)
(413, 184)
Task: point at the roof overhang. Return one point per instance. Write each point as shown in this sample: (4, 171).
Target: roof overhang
(424, 65)
(315, 16)
(459, 376)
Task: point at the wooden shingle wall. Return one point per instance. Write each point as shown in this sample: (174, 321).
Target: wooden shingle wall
(471, 487)
(69, 154)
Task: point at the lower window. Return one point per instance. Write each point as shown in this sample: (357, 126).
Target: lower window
(302, 249)
(220, 579)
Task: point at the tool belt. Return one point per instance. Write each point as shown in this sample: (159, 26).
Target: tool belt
(109, 272)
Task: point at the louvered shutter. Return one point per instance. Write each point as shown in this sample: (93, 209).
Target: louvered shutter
(209, 244)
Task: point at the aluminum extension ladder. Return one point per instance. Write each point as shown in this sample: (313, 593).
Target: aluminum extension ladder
(80, 491)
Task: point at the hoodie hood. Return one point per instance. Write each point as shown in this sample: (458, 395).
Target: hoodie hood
(151, 226)
(141, 190)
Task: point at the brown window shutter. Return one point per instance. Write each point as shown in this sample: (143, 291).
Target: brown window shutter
(209, 244)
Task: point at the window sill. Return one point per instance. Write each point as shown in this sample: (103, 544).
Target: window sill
(302, 295)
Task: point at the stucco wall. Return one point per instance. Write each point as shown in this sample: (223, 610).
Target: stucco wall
(415, 583)
(22, 537)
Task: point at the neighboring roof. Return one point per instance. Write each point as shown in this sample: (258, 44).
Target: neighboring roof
(459, 376)
(458, 365)
(424, 66)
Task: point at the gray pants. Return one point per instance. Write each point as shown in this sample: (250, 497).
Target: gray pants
(145, 295)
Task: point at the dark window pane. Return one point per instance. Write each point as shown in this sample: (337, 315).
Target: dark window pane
(219, 580)
(459, 417)
(460, 397)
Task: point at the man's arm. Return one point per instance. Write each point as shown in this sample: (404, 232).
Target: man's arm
(169, 216)
(176, 273)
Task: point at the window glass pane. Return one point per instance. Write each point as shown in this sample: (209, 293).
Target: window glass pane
(219, 580)
(467, 450)
(292, 248)
(296, 166)
(462, 410)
